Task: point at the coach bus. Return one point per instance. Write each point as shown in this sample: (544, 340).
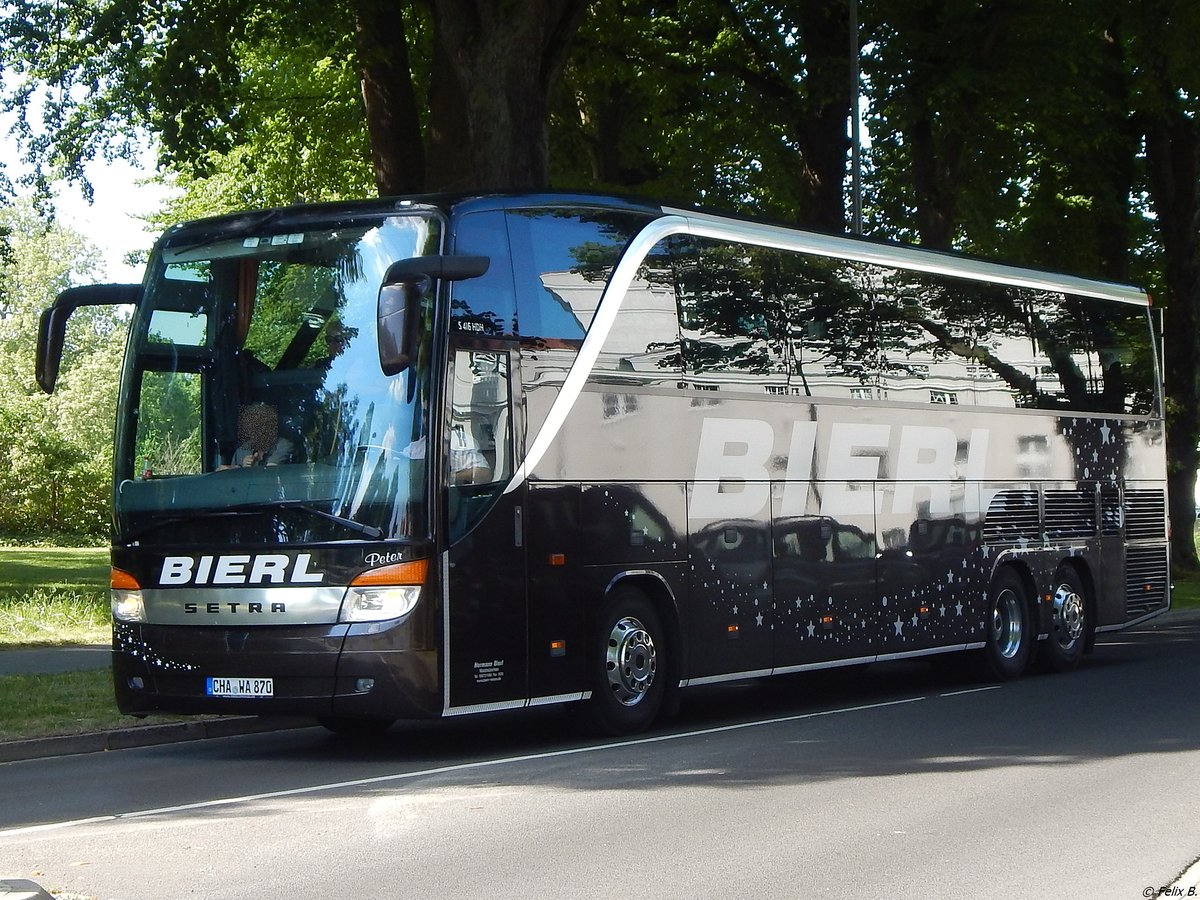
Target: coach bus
(445, 455)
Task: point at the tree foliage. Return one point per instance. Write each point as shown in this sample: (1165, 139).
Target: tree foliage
(55, 452)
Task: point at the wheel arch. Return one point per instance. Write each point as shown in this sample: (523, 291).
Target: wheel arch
(658, 591)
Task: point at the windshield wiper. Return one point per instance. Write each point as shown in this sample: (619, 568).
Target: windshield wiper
(369, 530)
(255, 509)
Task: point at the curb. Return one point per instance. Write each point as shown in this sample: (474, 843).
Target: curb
(146, 736)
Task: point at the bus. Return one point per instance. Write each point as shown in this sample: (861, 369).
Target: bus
(437, 456)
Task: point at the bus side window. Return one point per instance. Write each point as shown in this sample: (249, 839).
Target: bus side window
(562, 259)
(927, 326)
(731, 321)
(485, 305)
(480, 445)
(479, 438)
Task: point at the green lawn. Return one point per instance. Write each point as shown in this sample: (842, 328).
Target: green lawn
(50, 596)
(1186, 592)
(62, 703)
(53, 595)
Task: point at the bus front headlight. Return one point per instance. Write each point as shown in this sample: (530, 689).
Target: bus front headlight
(126, 597)
(374, 604)
(387, 592)
(128, 606)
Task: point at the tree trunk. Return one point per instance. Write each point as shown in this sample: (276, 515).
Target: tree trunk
(1173, 161)
(823, 138)
(393, 119)
(495, 64)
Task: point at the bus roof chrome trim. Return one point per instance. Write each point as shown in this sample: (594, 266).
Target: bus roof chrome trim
(783, 238)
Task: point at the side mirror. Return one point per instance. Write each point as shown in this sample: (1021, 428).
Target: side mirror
(406, 283)
(52, 328)
(399, 318)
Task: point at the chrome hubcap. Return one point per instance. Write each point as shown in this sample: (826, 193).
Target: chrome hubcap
(1068, 615)
(1007, 624)
(630, 661)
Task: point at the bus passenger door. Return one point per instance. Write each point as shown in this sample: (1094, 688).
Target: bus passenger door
(484, 619)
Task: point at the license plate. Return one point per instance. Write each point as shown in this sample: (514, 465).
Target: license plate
(240, 687)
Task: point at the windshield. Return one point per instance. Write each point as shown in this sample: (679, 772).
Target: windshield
(254, 408)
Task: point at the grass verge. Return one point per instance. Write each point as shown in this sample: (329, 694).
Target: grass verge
(63, 703)
(53, 595)
(33, 706)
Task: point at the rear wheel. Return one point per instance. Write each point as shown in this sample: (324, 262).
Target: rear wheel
(628, 664)
(1070, 623)
(1009, 628)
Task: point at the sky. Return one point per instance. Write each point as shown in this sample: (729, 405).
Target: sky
(111, 221)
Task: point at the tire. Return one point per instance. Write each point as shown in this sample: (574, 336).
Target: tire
(1010, 633)
(355, 728)
(628, 665)
(1070, 623)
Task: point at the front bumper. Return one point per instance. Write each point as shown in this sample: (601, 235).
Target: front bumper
(316, 670)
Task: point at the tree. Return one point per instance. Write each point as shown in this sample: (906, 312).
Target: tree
(1168, 109)
(1016, 130)
(208, 77)
(739, 103)
(55, 452)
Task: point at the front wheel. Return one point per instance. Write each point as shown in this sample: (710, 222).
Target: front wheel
(1009, 628)
(628, 662)
(1069, 623)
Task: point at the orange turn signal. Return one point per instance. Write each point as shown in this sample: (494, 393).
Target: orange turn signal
(120, 580)
(412, 572)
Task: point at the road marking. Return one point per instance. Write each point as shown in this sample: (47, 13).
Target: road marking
(990, 687)
(443, 770)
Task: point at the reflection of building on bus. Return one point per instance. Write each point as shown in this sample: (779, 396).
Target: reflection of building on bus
(582, 450)
(922, 360)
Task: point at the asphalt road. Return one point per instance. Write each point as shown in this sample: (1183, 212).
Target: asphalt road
(891, 782)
